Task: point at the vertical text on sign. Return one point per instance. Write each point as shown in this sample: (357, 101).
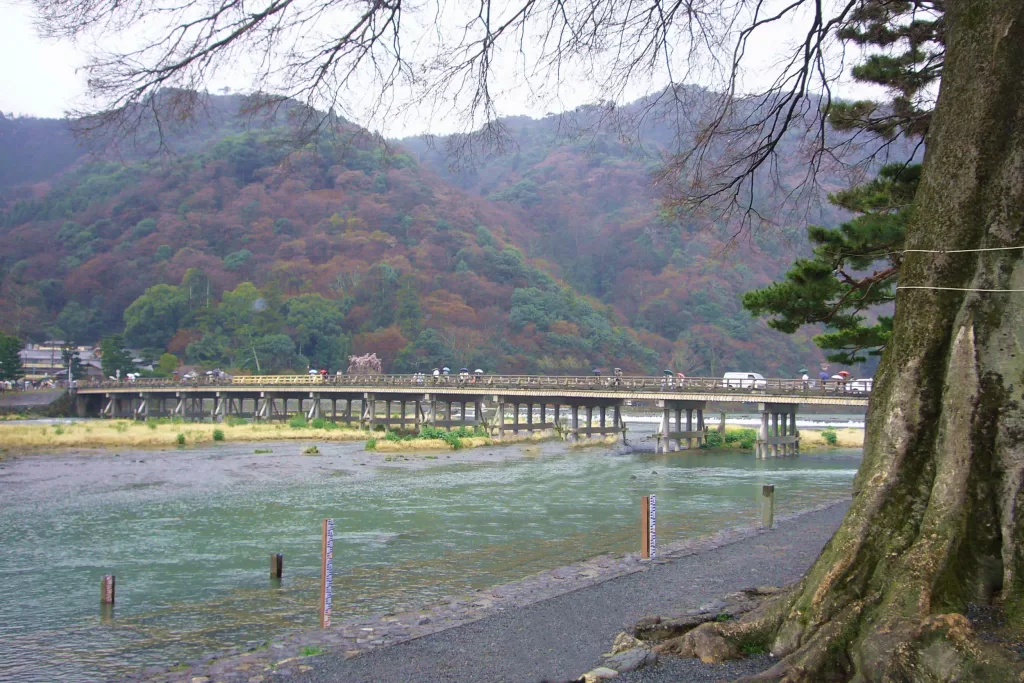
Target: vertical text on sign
(326, 571)
(652, 528)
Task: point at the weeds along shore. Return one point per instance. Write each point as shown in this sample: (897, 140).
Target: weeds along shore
(166, 432)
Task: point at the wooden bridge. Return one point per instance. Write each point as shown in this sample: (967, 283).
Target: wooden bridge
(499, 403)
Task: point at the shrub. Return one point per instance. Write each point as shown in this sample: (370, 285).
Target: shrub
(712, 439)
(830, 436)
(218, 434)
(318, 423)
(298, 421)
(371, 444)
(151, 424)
(181, 439)
(392, 436)
(747, 438)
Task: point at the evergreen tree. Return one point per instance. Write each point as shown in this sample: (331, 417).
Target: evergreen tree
(69, 358)
(10, 358)
(115, 358)
(853, 270)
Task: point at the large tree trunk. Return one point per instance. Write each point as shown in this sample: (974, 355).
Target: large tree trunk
(934, 522)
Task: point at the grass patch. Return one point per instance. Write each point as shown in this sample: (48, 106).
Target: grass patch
(218, 434)
(235, 421)
(830, 436)
(312, 450)
(754, 648)
(723, 617)
(371, 444)
(180, 439)
(311, 651)
(261, 451)
(844, 438)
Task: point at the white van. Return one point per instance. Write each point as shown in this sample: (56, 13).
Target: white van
(744, 380)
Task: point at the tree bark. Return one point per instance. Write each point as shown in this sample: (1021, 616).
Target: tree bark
(934, 521)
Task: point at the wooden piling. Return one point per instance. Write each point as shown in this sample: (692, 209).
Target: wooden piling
(107, 586)
(276, 565)
(767, 506)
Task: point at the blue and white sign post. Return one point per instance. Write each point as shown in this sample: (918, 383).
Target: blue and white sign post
(326, 569)
(650, 527)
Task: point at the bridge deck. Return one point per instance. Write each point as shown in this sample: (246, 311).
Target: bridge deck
(510, 387)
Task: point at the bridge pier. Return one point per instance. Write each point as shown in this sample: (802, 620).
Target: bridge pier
(672, 439)
(778, 434)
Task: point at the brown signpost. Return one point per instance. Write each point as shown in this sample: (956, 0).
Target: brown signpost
(649, 530)
(326, 570)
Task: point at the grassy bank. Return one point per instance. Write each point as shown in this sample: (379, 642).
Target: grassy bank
(129, 433)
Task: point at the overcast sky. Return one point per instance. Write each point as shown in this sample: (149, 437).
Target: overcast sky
(41, 78)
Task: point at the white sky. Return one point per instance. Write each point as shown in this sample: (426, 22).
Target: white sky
(43, 78)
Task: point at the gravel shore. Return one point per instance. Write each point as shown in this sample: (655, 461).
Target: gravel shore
(562, 637)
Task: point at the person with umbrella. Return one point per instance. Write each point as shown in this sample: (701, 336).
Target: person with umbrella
(667, 377)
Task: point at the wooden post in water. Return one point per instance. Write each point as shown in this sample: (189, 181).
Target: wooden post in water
(649, 528)
(276, 565)
(767, 506)
(326, 571)
(107, 586)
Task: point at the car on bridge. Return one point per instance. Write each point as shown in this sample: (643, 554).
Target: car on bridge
(744, 380)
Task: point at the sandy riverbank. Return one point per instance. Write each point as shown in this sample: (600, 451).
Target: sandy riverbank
(132, 434)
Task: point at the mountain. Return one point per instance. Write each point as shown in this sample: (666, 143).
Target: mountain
(247, 247)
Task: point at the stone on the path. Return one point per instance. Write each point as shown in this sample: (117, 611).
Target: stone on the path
(632, 659)
(703, 643)
(600, 673)
(623, 641)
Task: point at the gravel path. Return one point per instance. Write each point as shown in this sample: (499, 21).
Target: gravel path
(560, 638)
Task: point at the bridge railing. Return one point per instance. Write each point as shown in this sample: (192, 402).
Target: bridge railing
(556, 383)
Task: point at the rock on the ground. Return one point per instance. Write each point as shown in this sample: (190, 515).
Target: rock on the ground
(631, 660)
(600, 673)
(703, 643)
(623, 641)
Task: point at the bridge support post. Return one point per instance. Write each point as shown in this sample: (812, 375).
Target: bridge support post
(575, 423)
(721, 423)
(773, 437)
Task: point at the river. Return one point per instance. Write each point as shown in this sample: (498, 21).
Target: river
(188, 533)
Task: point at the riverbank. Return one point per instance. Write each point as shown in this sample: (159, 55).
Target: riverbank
(551, 626)
(138, 434)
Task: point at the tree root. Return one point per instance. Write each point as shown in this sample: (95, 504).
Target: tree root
(941, 648)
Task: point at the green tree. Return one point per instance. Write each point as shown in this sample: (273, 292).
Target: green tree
(71, 360)
(167, 364)
(270, 354)
(115, 359)
(426, 352)
(153, 318)
(10, 358)
(409, 313)
(853, 270)
(317, 324)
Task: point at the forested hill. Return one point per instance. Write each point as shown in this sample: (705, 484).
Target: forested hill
(245, 245)
(589, 210)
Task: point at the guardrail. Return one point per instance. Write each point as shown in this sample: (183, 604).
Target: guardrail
(554, 382)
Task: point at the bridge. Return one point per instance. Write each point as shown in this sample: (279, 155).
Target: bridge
(497, 401)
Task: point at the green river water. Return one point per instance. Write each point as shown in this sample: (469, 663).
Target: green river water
(188, 534)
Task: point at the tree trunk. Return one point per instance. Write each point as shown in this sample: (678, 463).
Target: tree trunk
(933, 524)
